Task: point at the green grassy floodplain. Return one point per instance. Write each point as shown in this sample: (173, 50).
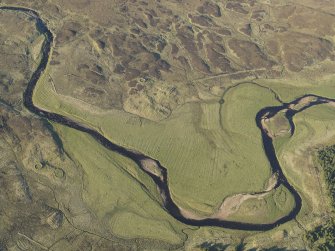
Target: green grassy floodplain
(314, 129)
(130, 212)
(194, 137)
(205, 163)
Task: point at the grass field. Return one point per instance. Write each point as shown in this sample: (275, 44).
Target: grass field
(292, 89)
(205, 162)
(113, 192)
(314, 128)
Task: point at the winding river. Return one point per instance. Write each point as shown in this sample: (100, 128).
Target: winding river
(161, 179)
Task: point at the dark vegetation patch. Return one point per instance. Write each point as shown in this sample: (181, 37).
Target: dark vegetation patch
(5, 79)
(266, 27)
(250, 54)
(200, 39)
(174, 49)
(119, 69)
(258, 15)
(132, 83)
(93, 92)
(217, 59)
(186, 37)
(58, 141)
(131, 73)
(201, 20)
(326, 158)
(246, 29)
(138, 56)
(210, 8)
(209, 246)
(95, 77)
(237, 7)
(224, 31)
(140, 23)
(322, 238)
(68, 32)
(301, 50)
(184, 62)
(213, 37)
